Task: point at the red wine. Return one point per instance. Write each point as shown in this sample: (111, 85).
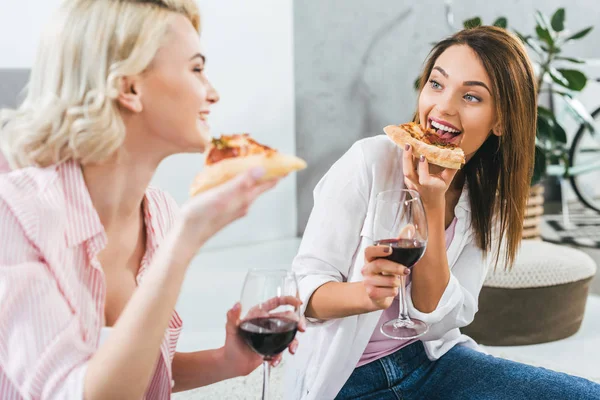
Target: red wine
(268, 336)
(404, 251)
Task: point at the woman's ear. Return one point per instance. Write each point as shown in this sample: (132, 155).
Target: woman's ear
(497, 129)
(129, 95)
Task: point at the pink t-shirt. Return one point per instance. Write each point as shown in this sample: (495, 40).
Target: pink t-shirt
(380, 345)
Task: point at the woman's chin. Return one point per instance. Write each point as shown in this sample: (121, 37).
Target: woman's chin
(204, 141)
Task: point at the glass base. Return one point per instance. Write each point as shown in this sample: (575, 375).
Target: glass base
(404, 329)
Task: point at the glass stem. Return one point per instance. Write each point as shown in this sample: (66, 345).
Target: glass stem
(403, 305)
(266, 375)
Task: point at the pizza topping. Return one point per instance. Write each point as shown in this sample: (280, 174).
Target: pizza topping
(436, 140)
(218, 154)
(231, 146)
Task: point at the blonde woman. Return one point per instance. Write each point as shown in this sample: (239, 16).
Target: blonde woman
(118, 85)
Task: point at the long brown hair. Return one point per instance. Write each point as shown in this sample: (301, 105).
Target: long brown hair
(499, 174)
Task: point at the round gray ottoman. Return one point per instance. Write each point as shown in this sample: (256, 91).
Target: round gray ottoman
(540, 300)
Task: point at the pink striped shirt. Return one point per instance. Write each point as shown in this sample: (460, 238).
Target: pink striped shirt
(52, 287)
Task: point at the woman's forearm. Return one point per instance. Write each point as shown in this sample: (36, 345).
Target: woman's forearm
(123, 365)
(338, 300)
(431, 275)
(200, 368)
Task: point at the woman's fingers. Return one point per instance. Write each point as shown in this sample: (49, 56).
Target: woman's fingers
(408, 165)
(384, 281)
(423, 169)
(384, 267)
(374, 252)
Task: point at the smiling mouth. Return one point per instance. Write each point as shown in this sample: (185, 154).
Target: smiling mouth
(446, 133)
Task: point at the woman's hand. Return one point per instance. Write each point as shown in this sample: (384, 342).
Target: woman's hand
(207, 213)
(237, 354)
(431, 184)
(381, 277)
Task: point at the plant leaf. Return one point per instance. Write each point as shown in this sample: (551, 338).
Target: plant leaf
(535, 46)
(539, 165)
(542, 20)
(472, 23)
(560, 135)
(580, 34)
(544, 129)
(501, 22)
(557, 77)
(571, 59)
(553, 50)
(545, 112)
(417, 83)
(549, 131)
(524, 38)
(577, 79)
(558, 20)
(544, 35)
(561, 93)
(569, 78)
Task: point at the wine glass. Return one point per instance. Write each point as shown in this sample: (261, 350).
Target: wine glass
(270, 314)
(400, 223)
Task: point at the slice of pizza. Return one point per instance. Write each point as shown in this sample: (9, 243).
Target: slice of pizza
(231, 155)
(436, 149)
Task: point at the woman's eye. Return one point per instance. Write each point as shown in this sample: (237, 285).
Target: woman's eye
(434, 84)
(472, 99)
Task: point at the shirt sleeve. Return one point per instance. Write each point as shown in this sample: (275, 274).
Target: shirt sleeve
(42, 350)
(331, 238)
(459, 302)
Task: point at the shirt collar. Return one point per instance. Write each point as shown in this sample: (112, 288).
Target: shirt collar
(83, 222)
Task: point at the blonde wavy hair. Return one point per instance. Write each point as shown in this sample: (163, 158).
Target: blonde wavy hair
(70, 110)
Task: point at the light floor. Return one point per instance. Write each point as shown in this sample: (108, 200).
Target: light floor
(214, 282)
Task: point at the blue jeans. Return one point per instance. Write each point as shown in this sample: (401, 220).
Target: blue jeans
(462, 373)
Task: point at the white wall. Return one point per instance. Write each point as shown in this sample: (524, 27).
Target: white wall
(21, 23)
(249, 49)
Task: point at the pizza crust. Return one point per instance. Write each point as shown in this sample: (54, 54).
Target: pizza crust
(446, 158)
(276, 165)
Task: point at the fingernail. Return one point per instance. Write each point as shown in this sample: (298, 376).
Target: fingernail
(422, 158)
(407, 271)
(276, 363)
(407, 147)
(294, 347)
(387, 250)
(258, 172)
(237, 307)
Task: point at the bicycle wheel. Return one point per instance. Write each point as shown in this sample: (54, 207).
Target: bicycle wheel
(584, 159)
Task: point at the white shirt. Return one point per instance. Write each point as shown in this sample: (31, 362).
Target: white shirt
(332, 250)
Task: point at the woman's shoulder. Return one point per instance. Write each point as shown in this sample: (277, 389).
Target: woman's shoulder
(29, 181)
(368, 155)
(31, 195)
(378, 148)
(29, 188)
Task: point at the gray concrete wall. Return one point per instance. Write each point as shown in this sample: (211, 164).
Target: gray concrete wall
(356, 60)
(12, 83)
